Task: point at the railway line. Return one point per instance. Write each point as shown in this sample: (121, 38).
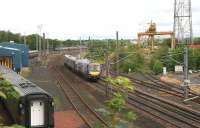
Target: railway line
(162, 86)
(156, 80)
(85, 111)
(170, 112)
(178, 115)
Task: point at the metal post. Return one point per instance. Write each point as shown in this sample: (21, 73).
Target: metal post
(107, 69)
(80, 47)
(24, 40)
(40, 46)
(39, 40)
(36, 38)
(44, 44)
(117, 52)
(186, 80)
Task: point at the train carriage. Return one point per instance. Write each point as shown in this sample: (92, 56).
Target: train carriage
(33, 107)
(84, 67)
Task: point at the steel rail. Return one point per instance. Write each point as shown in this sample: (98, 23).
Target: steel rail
(82, 100)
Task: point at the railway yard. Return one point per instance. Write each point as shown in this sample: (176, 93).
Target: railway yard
(84, 77)
(76, 97)
(158, 104)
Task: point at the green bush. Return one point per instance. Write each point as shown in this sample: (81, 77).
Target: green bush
(13, 126)
(157, 67)
(116, 113)
(7, 90)
(3, 95)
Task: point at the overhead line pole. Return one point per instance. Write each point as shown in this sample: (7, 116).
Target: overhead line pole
(44, 43)
(24, 39)
(117, 52)
(107, 69)
(36, 38)
(186, 79)
(80, 47)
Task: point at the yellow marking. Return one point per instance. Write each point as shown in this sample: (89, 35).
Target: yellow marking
(94, 73)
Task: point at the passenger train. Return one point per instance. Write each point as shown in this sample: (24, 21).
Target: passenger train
(32, 107)
(89, 70)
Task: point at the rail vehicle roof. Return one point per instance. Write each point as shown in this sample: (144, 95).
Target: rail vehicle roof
(21, 85)
(95, 63)
(71, 57)
(83, 61)
(67, 48)
(78, 61)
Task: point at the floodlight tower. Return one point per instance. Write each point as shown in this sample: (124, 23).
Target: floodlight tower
(183, 21)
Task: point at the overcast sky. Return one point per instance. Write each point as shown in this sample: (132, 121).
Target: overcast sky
(72, 19)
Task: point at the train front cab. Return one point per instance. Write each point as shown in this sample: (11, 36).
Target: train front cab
(38, 110)
(94, 71)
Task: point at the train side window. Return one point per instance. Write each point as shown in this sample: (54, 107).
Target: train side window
(40, 103)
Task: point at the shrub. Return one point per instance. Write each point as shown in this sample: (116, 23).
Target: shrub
(157, 67)
(116, 114)
(7, 90)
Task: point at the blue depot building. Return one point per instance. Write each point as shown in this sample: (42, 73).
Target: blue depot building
(14, 55)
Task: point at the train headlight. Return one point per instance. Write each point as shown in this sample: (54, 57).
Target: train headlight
(52, 103)
(20, 106)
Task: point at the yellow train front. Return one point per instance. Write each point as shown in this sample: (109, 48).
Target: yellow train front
(94, 71)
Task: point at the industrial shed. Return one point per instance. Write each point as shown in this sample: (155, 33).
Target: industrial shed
(23, 48)
(11, 57)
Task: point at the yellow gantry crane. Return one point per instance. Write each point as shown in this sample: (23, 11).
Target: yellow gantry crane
(152, 32)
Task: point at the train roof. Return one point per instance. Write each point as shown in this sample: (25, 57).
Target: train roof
(85, 61)
(77, 60)
(71, 57)
(21, 85)
(95, 63)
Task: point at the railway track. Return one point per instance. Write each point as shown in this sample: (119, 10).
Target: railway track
(172, 113)
(155, 79)
(154, 86)
(85, 111)
(165, 87)
(157, 84)
(158, 87)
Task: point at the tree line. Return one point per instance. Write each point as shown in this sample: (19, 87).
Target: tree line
(7, 36)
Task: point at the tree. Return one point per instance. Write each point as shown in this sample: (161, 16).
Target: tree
(116, 113)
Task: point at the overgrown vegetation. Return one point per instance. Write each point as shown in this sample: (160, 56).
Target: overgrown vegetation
(7, 91)
(130, 58)
(14, 126)
(171, 57)
(116, 113)
(133, 59)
